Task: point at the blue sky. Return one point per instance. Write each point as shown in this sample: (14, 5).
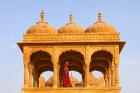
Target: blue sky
(16, 16)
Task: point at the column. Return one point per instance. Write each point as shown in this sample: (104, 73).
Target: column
(26, 76)
(30, 75)
(109, 78)
(34, 78)
(112, 76)
(34, 82)
(117, 61)
(55, 66)
(117, 75)
(55, 76)
(87, 77)
(58, 81)
(37, 79)
(106, 80)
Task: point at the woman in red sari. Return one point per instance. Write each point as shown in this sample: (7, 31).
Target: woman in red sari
(65, 76)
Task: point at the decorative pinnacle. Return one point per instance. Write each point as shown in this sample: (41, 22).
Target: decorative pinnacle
(99, 17)
(42, 14)
(71, 18)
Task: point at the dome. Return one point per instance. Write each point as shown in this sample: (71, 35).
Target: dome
(71, 27)
(101, 27)
(41, 27)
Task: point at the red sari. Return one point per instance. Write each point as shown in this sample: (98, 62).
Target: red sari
(65, 77)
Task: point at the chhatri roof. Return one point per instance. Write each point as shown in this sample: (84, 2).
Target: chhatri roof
(42, 27)
(71, 27)
(99, 32)
(101, 27)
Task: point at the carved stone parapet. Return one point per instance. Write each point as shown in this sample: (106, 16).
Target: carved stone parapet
(72, 37)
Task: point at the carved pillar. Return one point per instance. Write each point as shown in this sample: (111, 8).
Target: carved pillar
(55, 76)
(109, 78)
(106, 80)
(117, 83)
(30, 75)
(87, 77)
(26, 59)
(55, 66)
(112, 75)
(87, 62)
(37, 79)
(26, 76)
(58, 78)
(117, 61)
(34, 78)
(84, 77)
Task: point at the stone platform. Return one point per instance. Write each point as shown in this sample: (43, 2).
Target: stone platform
(71, 90)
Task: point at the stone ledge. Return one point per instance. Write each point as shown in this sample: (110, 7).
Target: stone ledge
(71, 90)
(73, 37)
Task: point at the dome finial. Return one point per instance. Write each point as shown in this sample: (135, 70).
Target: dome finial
(42, 14)
(99, 17)
(71, 18)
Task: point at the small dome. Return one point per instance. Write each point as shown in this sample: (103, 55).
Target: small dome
(101, 27)
(41, 27)
(71, 27)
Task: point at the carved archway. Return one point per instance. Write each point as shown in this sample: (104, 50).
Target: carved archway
(76, 62)
(41, 62)
(101, 61)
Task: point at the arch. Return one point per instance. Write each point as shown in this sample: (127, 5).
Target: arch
(39, 54)
(102, 57)
(101, 60)
(69, 52)
(41, 62)
(108, 53)
(76, 62)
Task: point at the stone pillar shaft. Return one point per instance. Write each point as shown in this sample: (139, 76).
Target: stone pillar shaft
(55, 66)
(26, 76)
(109, 78)
(117, 75)
(87, 77)
(112, 75)
(106, 80)
(30, 76)
(116, 63)
(55, 76)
